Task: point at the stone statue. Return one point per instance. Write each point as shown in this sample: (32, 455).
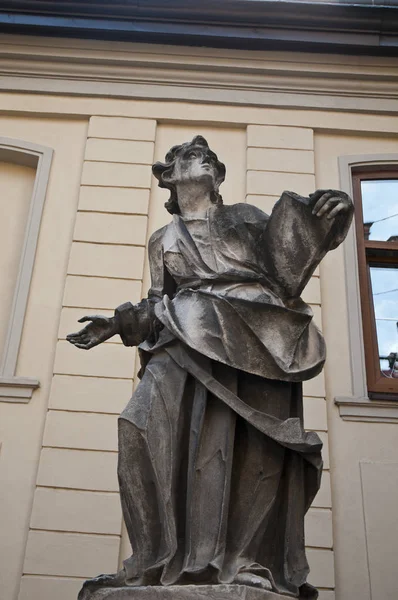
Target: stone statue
(216, 471)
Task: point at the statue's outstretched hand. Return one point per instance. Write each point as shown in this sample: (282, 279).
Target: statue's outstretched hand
(97, 331)
(330, 203)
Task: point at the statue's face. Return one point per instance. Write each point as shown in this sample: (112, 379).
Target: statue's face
(195, 164)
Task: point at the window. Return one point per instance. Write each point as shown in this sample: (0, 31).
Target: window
(24, 173)
(375, 193)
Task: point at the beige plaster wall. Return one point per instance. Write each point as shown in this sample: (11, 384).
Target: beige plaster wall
(21, 425)
(363, 460)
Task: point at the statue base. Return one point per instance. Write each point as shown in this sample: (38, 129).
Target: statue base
(184, 592)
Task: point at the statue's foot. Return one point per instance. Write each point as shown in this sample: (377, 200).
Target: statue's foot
(253, 581)
(139, 582)
(308, 592)
(113, 580)
(105, 580)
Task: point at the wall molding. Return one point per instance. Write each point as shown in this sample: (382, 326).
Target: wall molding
(358, 406)
(145, 71)
(15, 388)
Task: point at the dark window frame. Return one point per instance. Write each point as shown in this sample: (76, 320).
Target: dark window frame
(369, 251)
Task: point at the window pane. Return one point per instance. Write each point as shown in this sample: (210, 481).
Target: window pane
(385, 299)
(380, 209)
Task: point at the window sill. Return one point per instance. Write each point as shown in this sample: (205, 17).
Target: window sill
(17, 389)
(369, 411)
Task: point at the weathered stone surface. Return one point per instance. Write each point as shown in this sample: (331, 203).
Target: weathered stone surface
(184, 592)
(215, 468)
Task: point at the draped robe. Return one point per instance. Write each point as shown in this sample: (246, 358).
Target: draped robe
(216, 471)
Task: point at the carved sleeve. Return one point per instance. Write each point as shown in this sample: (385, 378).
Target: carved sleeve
(295, 241)
(138, 322)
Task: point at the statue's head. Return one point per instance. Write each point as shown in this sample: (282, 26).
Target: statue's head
(188, 163)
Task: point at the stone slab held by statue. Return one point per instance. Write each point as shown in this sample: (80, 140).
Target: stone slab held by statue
(216, 471)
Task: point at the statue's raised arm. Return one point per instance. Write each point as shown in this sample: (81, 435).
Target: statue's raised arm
(300, 232)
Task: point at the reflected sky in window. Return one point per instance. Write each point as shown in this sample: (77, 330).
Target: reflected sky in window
(380, 209)
(385, 300)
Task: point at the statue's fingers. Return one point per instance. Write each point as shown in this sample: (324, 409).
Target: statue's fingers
(84, 319)
(82, 343)
(326, 207)
(338, 208)
(321, 203)
(93, 318)
(90, 344)
(81, 339)
(317, 194)
(76, 335)
(73, 336)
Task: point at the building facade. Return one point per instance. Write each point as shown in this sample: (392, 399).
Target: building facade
(81, 122)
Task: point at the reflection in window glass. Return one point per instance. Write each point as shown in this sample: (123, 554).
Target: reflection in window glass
(385, 300)
(380, 209)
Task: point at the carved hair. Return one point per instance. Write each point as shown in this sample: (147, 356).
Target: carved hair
(163, 171)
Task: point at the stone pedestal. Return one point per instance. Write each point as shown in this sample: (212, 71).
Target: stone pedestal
(183, 592)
